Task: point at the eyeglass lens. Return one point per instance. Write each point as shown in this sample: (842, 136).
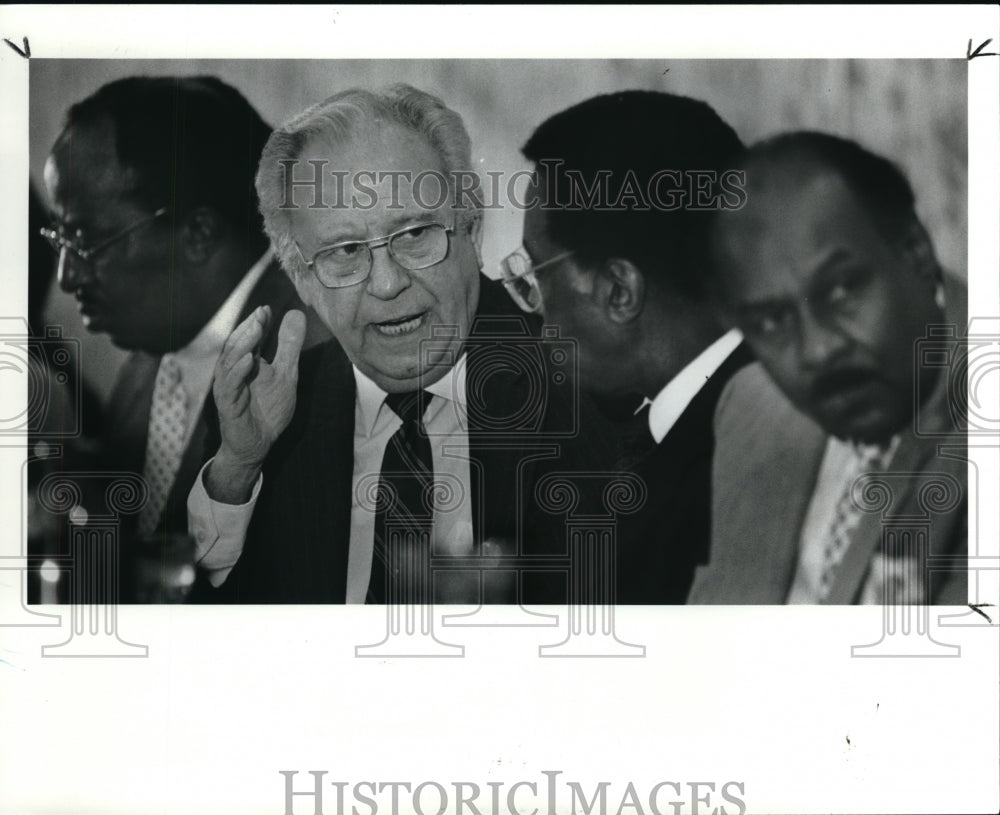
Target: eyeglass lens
(415, 248)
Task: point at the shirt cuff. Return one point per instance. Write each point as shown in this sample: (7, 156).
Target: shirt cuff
(219, 530)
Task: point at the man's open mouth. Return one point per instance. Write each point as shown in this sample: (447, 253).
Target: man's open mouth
(404, 325)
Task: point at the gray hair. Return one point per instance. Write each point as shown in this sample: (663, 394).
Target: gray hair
(337, 119)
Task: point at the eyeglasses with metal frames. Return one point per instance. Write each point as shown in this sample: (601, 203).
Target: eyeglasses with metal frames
(60, 242)
(517, 271)
(348, 263)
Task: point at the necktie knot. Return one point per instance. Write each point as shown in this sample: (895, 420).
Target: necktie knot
(873, 457)
(407, 406)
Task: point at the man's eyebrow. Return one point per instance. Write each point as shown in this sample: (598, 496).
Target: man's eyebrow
(818, 272)
(761, 305)
(354, 233)
(405, 219)
(838, 256)
(339, 234)
(532, 255)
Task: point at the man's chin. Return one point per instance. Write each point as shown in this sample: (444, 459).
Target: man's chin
(406, 377)
(93, 323)
(871, 427)
(119, 341)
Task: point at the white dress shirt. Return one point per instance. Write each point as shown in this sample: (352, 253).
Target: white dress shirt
(220, 529)
(673, 400)
(197, 359)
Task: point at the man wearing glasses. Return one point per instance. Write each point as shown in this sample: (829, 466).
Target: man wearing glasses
(159, 239)
(615, 252)
(338, 478)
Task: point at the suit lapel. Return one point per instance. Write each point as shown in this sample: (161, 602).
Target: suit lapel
(787, 498)
(762, 481)
(128, 411)
(273, 289)
(915, 460)
(692, 435)
(503, 391)
(326, 471)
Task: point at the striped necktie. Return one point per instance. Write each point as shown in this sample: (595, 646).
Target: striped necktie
(404, 515)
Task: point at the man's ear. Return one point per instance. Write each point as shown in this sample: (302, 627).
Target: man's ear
(306, 286)
(473, 225)
(200, 234)
(623, 290)
(919, 250)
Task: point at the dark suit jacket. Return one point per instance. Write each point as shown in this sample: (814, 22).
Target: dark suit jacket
(128, 409)
(768, 457)
(297, 546)
(660, 546)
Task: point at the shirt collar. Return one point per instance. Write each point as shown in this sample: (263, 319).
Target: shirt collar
(212, 337)
(451, 386)
(672, 401)
(869, 453)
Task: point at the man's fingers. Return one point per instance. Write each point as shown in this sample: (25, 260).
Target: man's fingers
(233, 381)
(291, 335)
(246, 337)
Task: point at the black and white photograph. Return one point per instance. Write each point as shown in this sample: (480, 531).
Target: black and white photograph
(500, 410)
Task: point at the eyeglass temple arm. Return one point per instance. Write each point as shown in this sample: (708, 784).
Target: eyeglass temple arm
(127, 230)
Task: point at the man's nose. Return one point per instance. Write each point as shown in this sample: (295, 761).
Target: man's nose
(71, 271)
(387, 277)
(819, 341)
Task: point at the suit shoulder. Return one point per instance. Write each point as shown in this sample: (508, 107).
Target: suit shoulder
(327, 362)
(750, 392)
(752, 407)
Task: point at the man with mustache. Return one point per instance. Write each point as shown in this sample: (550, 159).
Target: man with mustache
(833, 281)
(339, 476)
(159, 239)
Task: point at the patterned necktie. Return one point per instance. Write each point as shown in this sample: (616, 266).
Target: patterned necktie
(404, 515)
(847, 514)
(165, 441)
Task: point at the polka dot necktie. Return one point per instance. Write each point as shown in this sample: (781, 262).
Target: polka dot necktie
(868, 459)
(165, 442)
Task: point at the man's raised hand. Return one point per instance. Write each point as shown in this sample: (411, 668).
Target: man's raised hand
(255, 401)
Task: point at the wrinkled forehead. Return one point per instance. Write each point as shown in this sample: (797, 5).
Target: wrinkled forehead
(374, 182)
(372, 146)
(378, 178)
